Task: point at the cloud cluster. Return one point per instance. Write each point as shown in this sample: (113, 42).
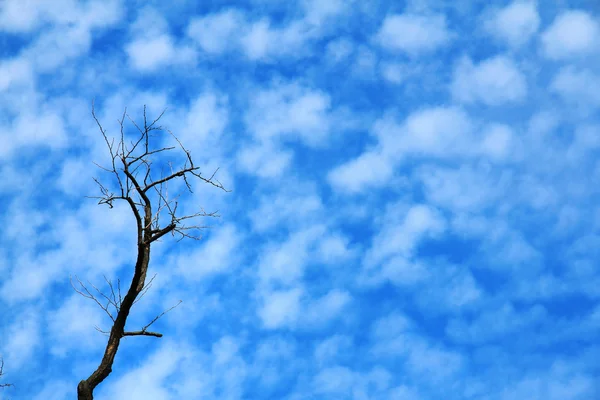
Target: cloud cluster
(413, 211)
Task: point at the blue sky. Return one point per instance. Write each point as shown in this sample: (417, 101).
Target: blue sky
(414, 206)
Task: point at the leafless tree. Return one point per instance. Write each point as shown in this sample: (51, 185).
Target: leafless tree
(156, 215)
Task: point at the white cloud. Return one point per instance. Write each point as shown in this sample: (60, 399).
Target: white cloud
(298, 205)
(497, 141)
(71, 248)
(435, 362)
(68, 36)
(448, 288)
(496, 324)
(257, 41)
(147, 380)
(216, 33)
(21, 339)
(149, 54)
(494, 81)
(59, 390)
(437, 131)
(15, 72)
(334, 249)
(320, 311)
(202, 126)
(284, 263)
(573, 33)
(368, 169)
(18, 16)
(69, 333)
(470, 188)
(413, 33)
(586, 140)
(395, 336)
(557, 382)
(152, 46)
(576, 87)
(295, 309)
(390, 254)
(179, 370)
(318, 13)
(514, 24)
(334, 380)
(342, 382)
(395, 72)
(27, 280)
(442, 132)
(339, 50)
(264, 160)
(76, 178)
(328, 350)
(262, 40)
(29, 130)
(290, 111)
(58, 46)
(25, 16)
(280, 308)
(216, 254)
(365, 63)
(272, 365)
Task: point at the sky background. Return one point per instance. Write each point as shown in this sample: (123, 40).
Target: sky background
(414, 207)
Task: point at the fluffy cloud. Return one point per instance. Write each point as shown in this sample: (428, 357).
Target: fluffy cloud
(395, 336)
(496, 324)
(283, 263)
(45, 130)
(23, 338)
(262, 39)
(19, 17)
(514, 24)
(150, 49)
(290, 111)
(264, 160)
(437, 132)
(215, 33)
(576, 86)
(573, 33)
(280, 308)
(368, 169)
(413, 34)
(216, 255)
(468, 188)
(494, 81)
(295, 309)
(390, 256)
(15, 72)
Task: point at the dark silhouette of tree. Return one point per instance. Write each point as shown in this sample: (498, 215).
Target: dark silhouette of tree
(133, 173)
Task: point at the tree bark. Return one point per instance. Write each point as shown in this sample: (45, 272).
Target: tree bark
(86, 387)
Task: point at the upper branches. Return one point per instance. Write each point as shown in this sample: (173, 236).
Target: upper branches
(147, 195)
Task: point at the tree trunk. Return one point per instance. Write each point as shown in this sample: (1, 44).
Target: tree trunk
(84, 392)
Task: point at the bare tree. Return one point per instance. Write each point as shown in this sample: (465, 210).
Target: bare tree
(156, 215)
